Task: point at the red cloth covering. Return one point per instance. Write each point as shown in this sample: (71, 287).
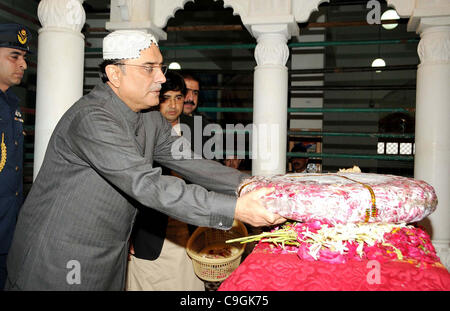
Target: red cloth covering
(264, 271)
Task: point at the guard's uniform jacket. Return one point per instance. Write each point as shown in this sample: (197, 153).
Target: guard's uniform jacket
(11, 159)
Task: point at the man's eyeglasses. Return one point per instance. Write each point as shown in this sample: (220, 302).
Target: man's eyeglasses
(148, 68)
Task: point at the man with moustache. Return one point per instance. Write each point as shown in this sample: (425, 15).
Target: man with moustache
(14, 40)
(299, 164)
(73, 229)
(196, 121)
(191, 98)
(192, 93)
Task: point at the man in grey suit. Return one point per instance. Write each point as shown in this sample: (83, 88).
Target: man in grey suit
(73, 230)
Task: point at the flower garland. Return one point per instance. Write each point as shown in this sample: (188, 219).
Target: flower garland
(339, 243)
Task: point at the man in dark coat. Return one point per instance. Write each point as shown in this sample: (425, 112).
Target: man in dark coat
(14, 40)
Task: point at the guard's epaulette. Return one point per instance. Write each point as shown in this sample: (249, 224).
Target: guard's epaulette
(3, 151)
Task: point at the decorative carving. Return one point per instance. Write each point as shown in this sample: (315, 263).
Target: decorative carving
(434, 46)
(240, 7)
(62, 14)
(270, 8)
(302, 9)
(163, 10)
(255, 10)
(271, 50)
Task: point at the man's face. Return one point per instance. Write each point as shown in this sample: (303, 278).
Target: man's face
(191, 98)
(299, 164)
(12, 66)
(138, 82)
(233, 162)
(172, 106)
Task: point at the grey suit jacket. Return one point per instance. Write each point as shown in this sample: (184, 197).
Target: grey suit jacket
(73, 229)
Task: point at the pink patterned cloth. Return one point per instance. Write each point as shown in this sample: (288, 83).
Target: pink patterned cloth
(286, 272)
(404, 259)
(345, 197)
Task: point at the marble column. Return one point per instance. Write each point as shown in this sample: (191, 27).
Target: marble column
(432, 156)
(60, 67)
(270, 89)
(272, 23)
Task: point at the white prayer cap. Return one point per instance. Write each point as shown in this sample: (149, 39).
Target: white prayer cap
(126, 44)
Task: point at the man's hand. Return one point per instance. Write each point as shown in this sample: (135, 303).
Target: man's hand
(251, 210)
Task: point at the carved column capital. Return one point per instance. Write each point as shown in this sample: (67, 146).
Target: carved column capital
(272, 46)
(434, 46)
(62, 14)
(302, 9)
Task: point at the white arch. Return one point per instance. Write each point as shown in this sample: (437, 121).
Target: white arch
(153, 15)
(163, 10)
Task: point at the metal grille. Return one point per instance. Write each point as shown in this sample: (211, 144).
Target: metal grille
(380, 148)
(405, 148)
(391, 148)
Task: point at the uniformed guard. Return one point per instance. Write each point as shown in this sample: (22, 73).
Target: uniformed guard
(14, 45)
